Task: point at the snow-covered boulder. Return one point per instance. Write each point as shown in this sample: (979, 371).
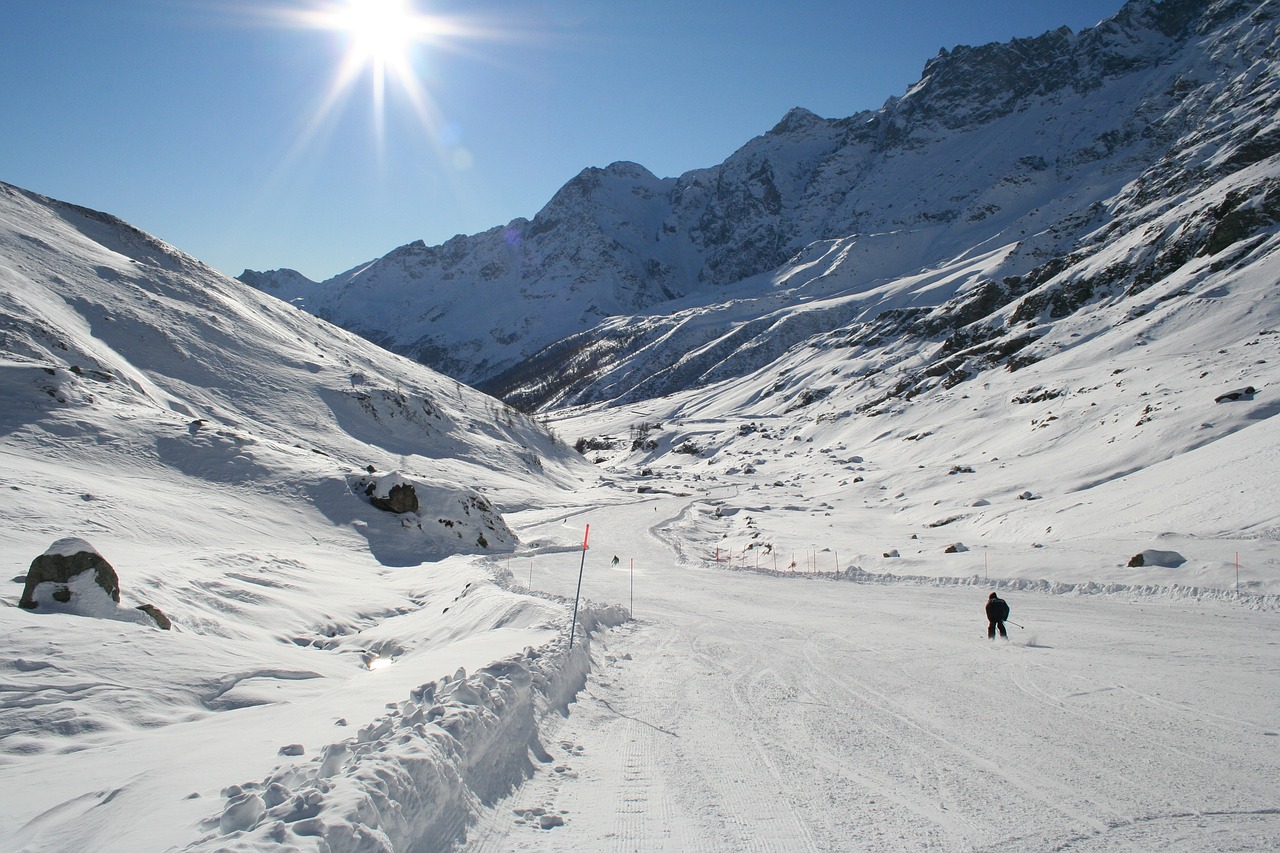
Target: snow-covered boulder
(1164, 559)
(1245, 393)
(72, 577)
(49, 580)
(393, 493)
(447, 519)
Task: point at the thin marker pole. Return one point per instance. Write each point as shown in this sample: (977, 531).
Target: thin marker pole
(573, 628)
(633, 587)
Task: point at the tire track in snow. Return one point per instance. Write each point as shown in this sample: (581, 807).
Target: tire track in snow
(605, 778)
(745, 800)
(646, 817)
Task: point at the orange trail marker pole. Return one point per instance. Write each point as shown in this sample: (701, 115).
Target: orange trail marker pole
(573, 627)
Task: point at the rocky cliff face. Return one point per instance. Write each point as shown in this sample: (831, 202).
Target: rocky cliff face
(976, 204)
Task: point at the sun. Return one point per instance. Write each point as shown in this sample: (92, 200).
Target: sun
(383, 41)
(381, 32)
(394, 47)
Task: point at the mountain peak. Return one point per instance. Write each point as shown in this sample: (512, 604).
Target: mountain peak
(797, 118)
(627, 169)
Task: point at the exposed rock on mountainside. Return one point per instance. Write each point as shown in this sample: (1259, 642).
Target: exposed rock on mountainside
(1011, 187)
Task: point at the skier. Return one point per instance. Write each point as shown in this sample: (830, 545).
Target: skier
(997, 612)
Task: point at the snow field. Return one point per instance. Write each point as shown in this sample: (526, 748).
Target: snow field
(751, 712)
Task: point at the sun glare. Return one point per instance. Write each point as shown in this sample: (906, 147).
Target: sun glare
(380, 30)
(383, 41)
(395, 48)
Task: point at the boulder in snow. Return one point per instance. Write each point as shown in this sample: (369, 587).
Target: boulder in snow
(72, 577)
(157, 615)
(1164, 559)
(57, 566)
(1245, 393)
(393, 493)
(956, 548)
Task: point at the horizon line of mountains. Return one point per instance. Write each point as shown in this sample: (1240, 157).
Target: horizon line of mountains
(949, 229)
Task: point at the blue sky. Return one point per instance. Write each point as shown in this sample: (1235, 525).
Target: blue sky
(205, 122)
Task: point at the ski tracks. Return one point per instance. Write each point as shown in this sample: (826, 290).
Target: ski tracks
(600, 786)
(682, 764)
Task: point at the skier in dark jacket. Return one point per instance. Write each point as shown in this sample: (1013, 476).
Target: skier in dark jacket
(997, 612)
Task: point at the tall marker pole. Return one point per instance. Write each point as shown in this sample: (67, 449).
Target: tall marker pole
(573, 628)
(633, 587)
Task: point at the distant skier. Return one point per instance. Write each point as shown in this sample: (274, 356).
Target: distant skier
(997, 612)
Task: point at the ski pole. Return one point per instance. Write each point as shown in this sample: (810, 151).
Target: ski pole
(1015, 624)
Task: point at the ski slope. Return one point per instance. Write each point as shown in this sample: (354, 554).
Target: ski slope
(743, 711)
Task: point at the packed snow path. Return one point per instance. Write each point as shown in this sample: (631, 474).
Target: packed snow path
(745, 712)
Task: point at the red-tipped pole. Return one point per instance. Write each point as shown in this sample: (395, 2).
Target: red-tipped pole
(573, 628)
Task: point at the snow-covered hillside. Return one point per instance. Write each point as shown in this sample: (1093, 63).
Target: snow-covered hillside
(222, 452)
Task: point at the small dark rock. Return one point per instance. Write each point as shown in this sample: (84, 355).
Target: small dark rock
(155, 613)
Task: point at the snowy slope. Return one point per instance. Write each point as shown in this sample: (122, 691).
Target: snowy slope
(216, 448)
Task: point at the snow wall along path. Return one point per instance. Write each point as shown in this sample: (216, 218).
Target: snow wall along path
(415, 778)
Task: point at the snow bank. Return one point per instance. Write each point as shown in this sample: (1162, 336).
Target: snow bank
(415, 778)
(855, 574)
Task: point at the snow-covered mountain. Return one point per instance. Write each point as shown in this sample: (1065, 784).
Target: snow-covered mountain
(341, 678)
(991, 194)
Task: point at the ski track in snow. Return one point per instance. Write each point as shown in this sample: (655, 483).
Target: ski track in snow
(744, 712)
